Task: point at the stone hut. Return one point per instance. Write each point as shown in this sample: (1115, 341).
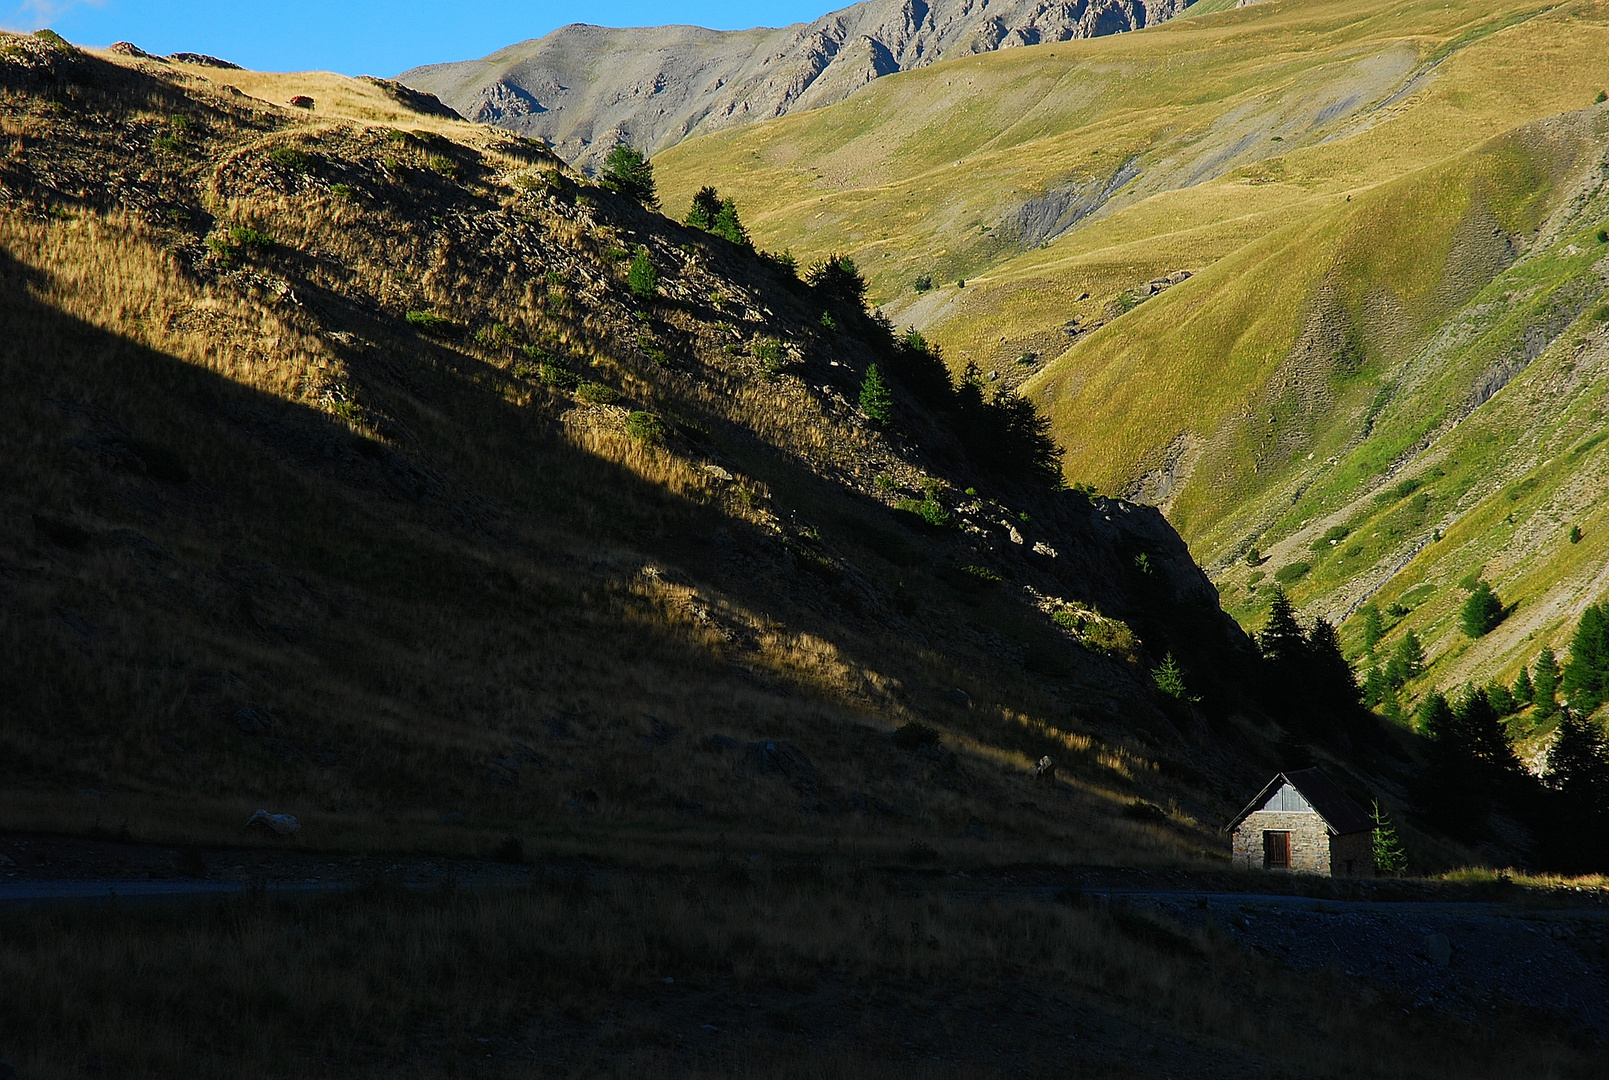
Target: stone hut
(1302, 821)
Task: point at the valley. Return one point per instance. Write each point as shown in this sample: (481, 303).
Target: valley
(803, 597)
(1389, 219)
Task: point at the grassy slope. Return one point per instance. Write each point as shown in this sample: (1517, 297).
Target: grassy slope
(277, 546)
(1403, 179)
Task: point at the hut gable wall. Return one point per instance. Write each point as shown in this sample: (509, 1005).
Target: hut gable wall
(1357, 848)
(1310, 840)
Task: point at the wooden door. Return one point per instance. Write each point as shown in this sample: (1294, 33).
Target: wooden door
(1276, 850)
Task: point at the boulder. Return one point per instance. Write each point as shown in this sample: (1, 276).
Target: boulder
(275, 824)
(1045, 771)
(301, 101)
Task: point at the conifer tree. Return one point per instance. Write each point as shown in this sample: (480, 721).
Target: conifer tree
(1374, 687)
(1523, 690)
(875, 400)
(1330, 679)
(1281, 639)
(1585, 681)
(1373, 628)
(1482, 611)
(706, 207)
(1545, 683)
(628, 172)
(1578, 766)
(643, 276)
(727, 225)
(1389, 858)
(1486, 739)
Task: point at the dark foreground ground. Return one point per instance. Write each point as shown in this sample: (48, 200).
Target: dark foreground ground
(121, 959)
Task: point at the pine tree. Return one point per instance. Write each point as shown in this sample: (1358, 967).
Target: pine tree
(643, 277)
(1375, 688)
(1331, 683)
(1487, 741)
(1482, 611)
(1545, 683)
(728, 226)
(706, 207)
(1408, 658)
(1523, 691)
(1585, 681)
(626, 171)
(1373, 628)
(875, 400)
(1435, 719)
(1389, 858)
(1281, 639)
(1578, 765)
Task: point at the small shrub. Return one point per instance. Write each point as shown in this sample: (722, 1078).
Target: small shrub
(885, 482)
(495, 336)
(247, 237)
(923, 283)
(1575, 534)
(171, 143)
(557, 376)
(981, 575)
(288, 157)
(645, 427)
(1254, 557)
(768, 351)
(446, 166)
(1291, 572)
(1111, 637)
(1254, 577)
(929, 510)
(1603, 96)
(1603, 236)
(1332, 536)
(1070, 619)
(344, 192)
(596, 393)
(643, 278)
(429, 322)
(827, 321)
(960, 283)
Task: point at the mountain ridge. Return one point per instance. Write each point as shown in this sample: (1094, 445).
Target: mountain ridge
(581, 88)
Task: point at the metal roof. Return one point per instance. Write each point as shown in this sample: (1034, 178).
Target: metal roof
(1340, 813)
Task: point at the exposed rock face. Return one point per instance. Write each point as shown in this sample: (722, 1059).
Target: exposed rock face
(583, 87)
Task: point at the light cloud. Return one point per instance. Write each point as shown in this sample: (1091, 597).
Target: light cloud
(33, 15)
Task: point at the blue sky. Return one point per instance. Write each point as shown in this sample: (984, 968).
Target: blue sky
(366, 37)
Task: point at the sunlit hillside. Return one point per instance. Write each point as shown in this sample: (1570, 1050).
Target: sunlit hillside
(1389, 217)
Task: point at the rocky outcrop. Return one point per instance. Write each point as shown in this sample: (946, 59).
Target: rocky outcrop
(583, 87)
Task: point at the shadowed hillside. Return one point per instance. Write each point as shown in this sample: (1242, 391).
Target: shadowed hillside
(360, 482)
